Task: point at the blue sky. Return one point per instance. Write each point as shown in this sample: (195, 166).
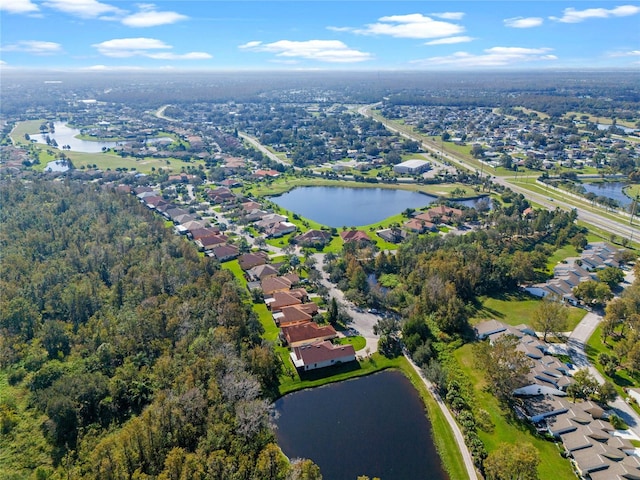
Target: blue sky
(299, 35)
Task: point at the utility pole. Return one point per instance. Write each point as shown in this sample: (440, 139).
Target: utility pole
(634, 205)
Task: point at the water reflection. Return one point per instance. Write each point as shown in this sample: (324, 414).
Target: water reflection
(373, 426)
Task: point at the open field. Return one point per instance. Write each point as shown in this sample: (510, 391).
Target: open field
(103, 160)
(603, 120)
(507, 428)
(517, 309)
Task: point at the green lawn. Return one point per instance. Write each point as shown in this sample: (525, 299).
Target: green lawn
(622, 378)
(507, 429)
(559, 255)
(234, 267)
(358, 342)
(516, 309)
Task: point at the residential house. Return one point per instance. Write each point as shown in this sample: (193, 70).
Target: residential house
(266, 174)
(224, 253)
(270, 220)
(271, 285)
(261, 272)
(251, 205)
(440, 214)
(313, 238)
(280, 300)
(392, 235)
(251, 260)
(306, 333)
(207, 243)
(221, 195)
(321, 354)
(280, 229)
(291, 315)
(354, 236)
(199, 233)
(419, 226)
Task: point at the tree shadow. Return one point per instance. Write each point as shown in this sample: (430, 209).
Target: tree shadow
(325, 372)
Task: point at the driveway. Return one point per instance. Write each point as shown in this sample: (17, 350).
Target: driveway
(576, 343)
(362, 321)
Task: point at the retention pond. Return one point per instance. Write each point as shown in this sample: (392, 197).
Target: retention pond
(374, 426)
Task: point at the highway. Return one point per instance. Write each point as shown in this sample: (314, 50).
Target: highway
(621, 228)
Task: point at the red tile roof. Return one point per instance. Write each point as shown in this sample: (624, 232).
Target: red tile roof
(309, 332)
(354, 236)
(323, 352)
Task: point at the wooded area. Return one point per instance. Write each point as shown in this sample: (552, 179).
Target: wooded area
(127, 354)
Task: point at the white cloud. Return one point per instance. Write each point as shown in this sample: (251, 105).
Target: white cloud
(492, 57)
(522, 22)
(144, 47)
(84, 8)
(450, 40)
(110, 68)
(180, 56)
(333, 51)
(449, 15)
(571, 15)
(148, 16)
(36, 47)
(630, 53)
(414, 25)
(18, 6)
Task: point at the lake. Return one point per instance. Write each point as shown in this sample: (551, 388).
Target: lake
(348, 206)
(611, 190)
(372, 425)
(65, 135)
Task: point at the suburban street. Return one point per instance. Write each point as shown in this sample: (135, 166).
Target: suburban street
(576, 349)
(361, 321)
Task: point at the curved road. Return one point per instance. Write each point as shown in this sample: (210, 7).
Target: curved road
(577, 342)
(363, 322)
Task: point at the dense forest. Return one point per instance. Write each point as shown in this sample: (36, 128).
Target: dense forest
(123, 352)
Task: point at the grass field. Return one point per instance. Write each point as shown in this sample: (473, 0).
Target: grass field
(102, 160)
(517, 309)
(357, 341)
(507, 429)
(559, 255)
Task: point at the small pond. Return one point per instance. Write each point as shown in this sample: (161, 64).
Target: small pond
(613, 190)
(57, 166)
(602, 126)
(374, 425)
(347, 206)
(65, 135)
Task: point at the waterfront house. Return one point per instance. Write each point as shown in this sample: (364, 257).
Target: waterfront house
(321, 354)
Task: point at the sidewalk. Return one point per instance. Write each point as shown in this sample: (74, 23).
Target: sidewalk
(457, 433)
